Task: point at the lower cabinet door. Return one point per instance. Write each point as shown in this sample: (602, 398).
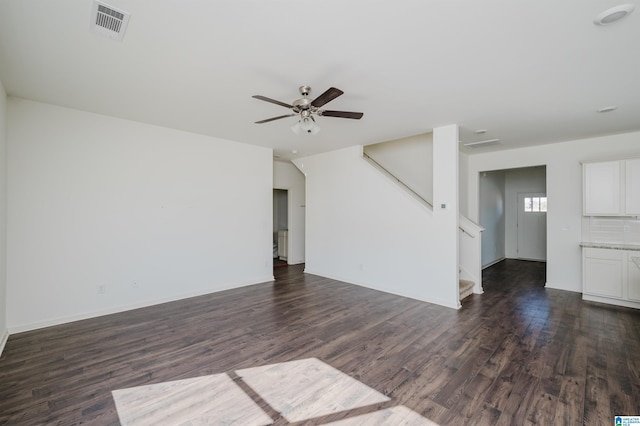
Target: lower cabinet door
(603, 272)
(633, 276)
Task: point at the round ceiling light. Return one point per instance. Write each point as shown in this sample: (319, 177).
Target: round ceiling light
(614, 14)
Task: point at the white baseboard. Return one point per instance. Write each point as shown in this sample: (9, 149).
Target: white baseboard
(493, 263)
(610, 301)
(122, 308)
(3, 340)
(564, 288)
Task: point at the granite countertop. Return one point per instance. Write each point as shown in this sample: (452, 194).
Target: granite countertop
(612, 246)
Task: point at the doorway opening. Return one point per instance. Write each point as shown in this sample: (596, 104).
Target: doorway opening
(280, 227)
(513, 211)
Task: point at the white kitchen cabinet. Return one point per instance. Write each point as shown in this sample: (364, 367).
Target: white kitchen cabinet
(603, 272)
(611, 188)
(633, 275)
(602, 188)
(611, 275)
(632, 187)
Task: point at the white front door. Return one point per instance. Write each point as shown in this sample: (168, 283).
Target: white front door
(532, 226)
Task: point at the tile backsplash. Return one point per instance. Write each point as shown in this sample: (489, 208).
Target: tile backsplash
(615, 230)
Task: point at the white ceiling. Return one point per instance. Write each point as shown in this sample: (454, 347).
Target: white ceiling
(531, 72)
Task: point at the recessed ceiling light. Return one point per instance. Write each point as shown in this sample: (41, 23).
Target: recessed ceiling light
(294, 151)
(481, 131)
(607, 109)
(614, 14)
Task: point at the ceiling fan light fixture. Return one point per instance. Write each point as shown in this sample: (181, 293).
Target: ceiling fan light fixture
(305, 125)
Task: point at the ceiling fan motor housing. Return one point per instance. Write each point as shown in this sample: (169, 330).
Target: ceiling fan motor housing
(302, 104)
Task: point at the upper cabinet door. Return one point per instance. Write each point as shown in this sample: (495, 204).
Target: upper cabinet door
(633, 187)
(602, 189)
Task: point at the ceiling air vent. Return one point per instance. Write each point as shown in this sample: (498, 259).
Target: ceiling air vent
(108, 21)
(482, 143)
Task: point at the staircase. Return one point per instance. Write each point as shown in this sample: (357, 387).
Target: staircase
(409, 174)
(466, 289)
(469, 257)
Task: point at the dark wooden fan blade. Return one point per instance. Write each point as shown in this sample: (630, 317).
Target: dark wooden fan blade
(274, 118)
(329, 95)
(342, 114)
(273, 101)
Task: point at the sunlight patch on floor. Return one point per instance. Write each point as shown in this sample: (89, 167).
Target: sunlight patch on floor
(298, 390)
(308, 388)
(204, 400)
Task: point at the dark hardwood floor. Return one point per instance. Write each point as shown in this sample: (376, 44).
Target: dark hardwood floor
(518, 354)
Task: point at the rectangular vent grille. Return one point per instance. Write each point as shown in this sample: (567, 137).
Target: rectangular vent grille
(109, 21)
(482, 143)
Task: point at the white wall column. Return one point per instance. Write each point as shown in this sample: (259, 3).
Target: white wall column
(445, 206)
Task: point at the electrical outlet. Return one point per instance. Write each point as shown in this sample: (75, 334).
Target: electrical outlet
(135, 284)
(101, 289)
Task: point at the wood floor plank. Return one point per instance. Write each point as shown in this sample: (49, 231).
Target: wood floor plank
(570, 405)
(597, 409)
(517, 354)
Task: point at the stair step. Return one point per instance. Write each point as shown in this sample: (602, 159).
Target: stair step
(466, 288)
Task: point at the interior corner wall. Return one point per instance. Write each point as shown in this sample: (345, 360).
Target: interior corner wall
(287, 176)
(364, 229)
(491, 217)
(4, 331)
(106, 215)
(564, 193)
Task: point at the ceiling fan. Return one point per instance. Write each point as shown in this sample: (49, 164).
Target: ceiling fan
(307, 109)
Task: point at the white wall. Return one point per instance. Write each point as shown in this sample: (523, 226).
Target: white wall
(364, 229)
(409, 159)
(528, 179)
(4, 332)
(492, 216)
(463, 167)
(564, 193)
(152, 214)
(287, 176)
